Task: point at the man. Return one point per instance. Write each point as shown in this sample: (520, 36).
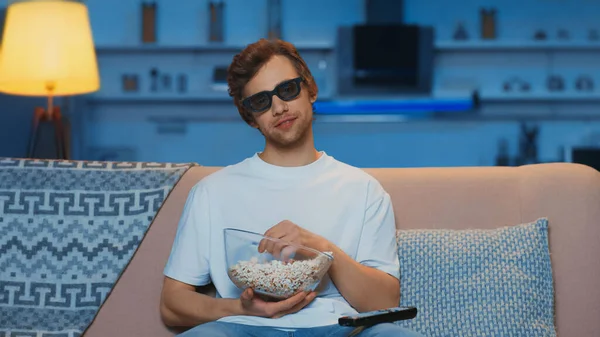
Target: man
(289, 191)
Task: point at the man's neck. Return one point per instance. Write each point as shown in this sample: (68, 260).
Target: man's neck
(299, 156)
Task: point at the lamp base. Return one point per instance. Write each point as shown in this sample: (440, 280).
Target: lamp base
(49, 135)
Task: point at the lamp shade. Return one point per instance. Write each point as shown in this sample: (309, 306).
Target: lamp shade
(48, 48)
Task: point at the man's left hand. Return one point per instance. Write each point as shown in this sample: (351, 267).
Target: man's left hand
(290, 232)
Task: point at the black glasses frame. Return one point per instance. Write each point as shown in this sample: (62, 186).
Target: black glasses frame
(270, 93)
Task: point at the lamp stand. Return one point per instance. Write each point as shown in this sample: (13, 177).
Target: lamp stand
(48, 139)
(49, 135)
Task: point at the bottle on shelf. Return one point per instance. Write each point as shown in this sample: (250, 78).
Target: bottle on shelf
(149, 21)
(216, 12)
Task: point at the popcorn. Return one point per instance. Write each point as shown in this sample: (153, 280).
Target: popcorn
(277, 278)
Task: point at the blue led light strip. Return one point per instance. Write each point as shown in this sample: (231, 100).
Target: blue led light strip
(399, 106)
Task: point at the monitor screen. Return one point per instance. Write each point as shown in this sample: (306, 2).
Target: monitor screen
(387, 54)
(589, 156)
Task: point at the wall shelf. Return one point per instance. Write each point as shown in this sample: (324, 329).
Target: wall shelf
(323, 107)
(209, 48)
(474, 46)
(159, 120)
(382, 106)
(96, 99)
(157, 100)
(383, 119)
(557, 97)
(516, 46)
(441, 46)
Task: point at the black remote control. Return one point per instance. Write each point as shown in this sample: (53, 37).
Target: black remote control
(379, 316)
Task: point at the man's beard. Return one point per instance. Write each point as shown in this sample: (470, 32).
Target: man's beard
(291, 139)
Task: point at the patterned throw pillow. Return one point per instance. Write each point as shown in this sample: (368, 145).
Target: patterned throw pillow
(477, 282)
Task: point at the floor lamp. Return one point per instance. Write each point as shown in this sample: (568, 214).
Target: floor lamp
(48, 50)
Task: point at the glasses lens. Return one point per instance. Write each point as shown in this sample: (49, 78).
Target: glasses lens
(288, 90)
(259, 101)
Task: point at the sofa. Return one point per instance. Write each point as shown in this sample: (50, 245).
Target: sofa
(427, 198)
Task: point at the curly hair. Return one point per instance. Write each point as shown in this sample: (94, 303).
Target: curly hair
(246, 64)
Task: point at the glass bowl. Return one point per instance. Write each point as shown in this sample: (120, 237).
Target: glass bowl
(279, 276)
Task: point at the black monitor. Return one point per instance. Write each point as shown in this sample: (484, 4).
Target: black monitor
(385, 58)
(589, 156)
(386, 55)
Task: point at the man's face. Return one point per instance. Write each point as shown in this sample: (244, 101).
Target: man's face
(286, 124)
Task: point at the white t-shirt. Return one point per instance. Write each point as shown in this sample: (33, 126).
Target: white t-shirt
(327, 197)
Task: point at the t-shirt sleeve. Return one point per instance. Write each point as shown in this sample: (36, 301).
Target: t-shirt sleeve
(188, 261)
(378, 247)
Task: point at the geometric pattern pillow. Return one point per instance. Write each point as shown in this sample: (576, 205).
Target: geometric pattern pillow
(68, 229)
(478, 282)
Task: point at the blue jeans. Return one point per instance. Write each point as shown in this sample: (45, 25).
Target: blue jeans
(221, 329)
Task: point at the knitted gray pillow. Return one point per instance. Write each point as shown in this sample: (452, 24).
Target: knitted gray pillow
(477, 282)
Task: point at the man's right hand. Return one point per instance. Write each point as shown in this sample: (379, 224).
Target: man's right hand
(252, 305)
